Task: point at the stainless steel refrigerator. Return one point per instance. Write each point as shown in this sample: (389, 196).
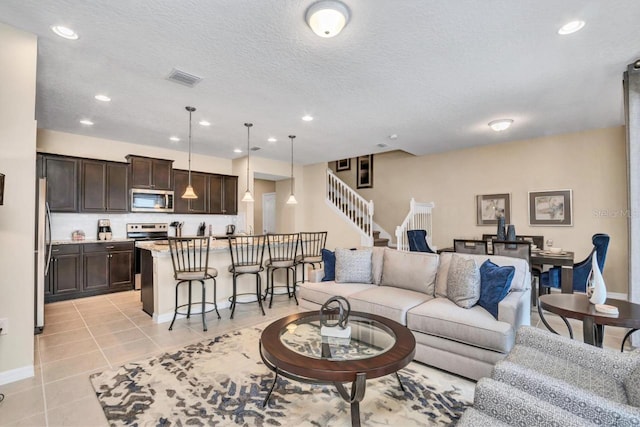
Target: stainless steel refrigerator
(42, 252)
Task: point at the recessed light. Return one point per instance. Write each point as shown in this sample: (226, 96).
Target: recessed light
(174, 139)
(393, 136)
(204, 123)
(571, 27)
(307, 118)
(86, 122)
(64, 32)
(500, 124)
(103, 98)
(272, 139)
(237, 150)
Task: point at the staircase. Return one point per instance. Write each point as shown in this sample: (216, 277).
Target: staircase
(418, 218)
(351, 206)
(379, 241)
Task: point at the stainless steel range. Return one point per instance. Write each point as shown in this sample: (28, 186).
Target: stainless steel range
(144, 232)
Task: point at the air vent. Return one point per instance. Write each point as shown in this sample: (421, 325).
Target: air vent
(255, 148)
(382, 145)
(183, 78)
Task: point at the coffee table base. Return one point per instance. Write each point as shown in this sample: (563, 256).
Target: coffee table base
(358, 387)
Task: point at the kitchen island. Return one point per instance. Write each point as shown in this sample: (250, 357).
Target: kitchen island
(158, 284)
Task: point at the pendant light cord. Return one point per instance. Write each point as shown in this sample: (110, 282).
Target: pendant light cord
(291, 137)
(190, 110)
(248, 125)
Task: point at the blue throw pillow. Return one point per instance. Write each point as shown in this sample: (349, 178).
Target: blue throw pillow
(495, 282)
(329, 262)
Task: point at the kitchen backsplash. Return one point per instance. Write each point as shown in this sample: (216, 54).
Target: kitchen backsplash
(63, 224)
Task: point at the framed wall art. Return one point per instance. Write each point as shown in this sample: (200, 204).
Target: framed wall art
(552, 207)
(343, 165)
(489, 207)
(365, 171)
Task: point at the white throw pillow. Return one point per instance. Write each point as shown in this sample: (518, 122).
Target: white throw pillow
(353, 266)
(463, 282)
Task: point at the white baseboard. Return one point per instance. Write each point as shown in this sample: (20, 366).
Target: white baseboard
(17, 374)
(617, 295)
(168, 317)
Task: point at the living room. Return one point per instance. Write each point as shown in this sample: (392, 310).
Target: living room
(589, 158)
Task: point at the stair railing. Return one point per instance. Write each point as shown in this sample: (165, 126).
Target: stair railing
(353, 207)
(418, 218)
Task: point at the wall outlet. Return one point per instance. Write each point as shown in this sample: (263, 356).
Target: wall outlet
(4, 326)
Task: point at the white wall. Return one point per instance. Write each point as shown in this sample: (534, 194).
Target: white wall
(18, 55)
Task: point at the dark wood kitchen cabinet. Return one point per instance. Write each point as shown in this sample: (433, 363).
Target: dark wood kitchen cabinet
(147, 172)
(62, 182)
(103, 186)
(200, 183)
(180, 182)
(223, 194)
(108, 266)
(64, 278)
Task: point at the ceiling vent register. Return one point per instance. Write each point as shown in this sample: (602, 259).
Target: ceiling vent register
(183, 78)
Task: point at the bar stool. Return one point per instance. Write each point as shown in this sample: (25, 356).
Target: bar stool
(311, 246)
(247, 253)
(190, 258)
(282, 254)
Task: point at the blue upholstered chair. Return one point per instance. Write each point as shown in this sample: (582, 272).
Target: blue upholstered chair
(418, 241)
(581, 270)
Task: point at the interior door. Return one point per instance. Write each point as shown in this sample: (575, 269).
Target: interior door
(269, 213)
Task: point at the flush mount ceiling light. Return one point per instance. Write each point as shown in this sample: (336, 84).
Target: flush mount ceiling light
(204, 123)
(247, 194)
(86, 122)
(571, 27)
(292, 199)
(307, 118)
(103, 98)
(188, 192)
(500, 124)
(64, 32)
(327, 17)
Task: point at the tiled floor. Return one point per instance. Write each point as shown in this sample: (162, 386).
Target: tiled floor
(93, 334)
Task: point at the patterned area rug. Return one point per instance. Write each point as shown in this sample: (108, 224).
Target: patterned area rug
(222, 381)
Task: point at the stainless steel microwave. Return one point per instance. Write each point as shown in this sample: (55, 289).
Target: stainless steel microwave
(151, 200)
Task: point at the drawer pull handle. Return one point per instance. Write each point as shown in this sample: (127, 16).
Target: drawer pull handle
(110, 247)
(55, 250)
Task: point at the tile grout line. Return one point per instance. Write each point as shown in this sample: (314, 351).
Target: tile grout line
(44, 393)
(93, 337)
(136, 325)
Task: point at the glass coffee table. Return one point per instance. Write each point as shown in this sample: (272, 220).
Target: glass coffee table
(293, 347)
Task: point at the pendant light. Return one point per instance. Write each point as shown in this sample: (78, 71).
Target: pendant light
(188, 192)
(247, 194)
(292, 199)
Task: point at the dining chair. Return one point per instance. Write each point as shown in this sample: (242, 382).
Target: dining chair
(247, 253)
(190, 259)
(581, 270)
(311, 246)
(477, 247)
(418, 241)
(513, 249)
(282, 249)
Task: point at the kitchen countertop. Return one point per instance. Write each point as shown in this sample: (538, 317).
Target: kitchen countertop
(161, 246)
(81, 242)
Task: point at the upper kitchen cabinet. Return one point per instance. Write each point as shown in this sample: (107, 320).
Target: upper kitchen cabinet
(199, 182)
(147, 172)
(62, 182)
(223, 194)
(103, 186)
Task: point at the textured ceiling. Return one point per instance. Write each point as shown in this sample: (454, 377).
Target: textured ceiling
(432, 72)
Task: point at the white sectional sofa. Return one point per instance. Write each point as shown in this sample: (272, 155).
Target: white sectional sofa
(411, 288)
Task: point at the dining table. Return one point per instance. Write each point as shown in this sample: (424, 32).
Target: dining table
(563, 259)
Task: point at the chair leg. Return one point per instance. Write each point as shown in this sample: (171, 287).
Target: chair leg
(175, 311)
(215, 299)
(293, 273)
(204, 306)
(259, 292)
(189, 305)
(233, 297)
(270, 270)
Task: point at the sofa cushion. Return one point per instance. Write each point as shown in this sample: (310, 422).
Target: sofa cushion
(521, 278)
(463, 282)
(353, 265)
(414, 271)
(377, 258)
(495, 282)
(392, 303)
(319, 293)
(475, 326)
(329, 265)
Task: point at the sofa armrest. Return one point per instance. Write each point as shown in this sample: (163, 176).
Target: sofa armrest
(612, 363)
(514, 308)
(515, 407)
(316, 275)
(575, 400)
